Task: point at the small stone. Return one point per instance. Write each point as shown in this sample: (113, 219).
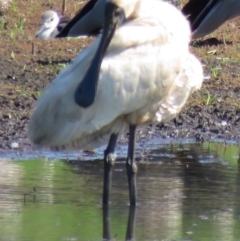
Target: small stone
(14, 145)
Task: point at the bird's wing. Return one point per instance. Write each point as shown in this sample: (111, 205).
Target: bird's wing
(189, 79)
(196, 11)
(205, 16)
(87, 20)
(64, 20)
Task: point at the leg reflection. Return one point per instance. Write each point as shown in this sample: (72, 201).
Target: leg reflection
(130, 227)
(106, 229)
(131, 223)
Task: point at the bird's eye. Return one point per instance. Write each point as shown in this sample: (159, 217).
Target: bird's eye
(51, 19)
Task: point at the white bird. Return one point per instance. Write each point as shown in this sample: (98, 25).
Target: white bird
(51, 25)
(206, 16)
(139, 71)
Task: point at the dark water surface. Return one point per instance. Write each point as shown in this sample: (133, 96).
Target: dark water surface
(185, 192)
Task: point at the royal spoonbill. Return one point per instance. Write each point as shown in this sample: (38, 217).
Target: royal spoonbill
(139, 71)
(204, 16)
(51, 25)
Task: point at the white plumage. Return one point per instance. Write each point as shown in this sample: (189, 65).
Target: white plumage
(51, 25)
(146, 75)
(138, 75)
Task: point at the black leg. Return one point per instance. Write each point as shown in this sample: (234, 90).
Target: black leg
(109, 160)
(131, 165)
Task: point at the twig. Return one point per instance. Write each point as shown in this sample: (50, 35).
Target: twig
(63, 6)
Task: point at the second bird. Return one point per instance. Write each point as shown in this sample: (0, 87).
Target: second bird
(51, 25)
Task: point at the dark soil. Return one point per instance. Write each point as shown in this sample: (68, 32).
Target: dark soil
(212, 112)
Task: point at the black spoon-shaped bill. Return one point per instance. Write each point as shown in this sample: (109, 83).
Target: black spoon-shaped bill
(86, 90)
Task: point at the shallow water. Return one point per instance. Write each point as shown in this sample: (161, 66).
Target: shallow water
(185, 192)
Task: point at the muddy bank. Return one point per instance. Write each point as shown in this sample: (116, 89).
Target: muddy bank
(212, 112)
